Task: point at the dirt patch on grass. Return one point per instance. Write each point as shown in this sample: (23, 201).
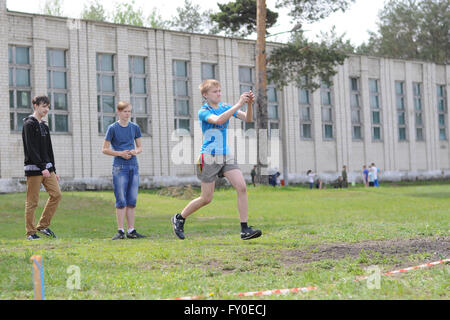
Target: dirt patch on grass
(396, 252)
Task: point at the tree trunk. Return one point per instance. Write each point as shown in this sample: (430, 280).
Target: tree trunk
(261, 94)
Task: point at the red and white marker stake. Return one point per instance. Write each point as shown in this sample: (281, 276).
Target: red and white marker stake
(418, 267)
(307, 289)
(426, 265)
(277, 291)
(255, 293)
(188, 298)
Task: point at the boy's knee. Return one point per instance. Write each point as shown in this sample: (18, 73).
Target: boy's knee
(31, 205)
(56, 196)
(206, 200)
(241, 188)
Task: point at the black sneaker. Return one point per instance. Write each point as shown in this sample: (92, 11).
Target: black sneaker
(250, 233)
(178, 226)
(33, 236)
(134, 235)
(119, 235)
(47, 232)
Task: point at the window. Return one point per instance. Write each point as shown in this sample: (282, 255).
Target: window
(356, 110)
(374, 98)
(106, 96)
(209, 71)
(19, 86)
(58, 116)
(328, 131)
(442, 111)
(418, 111)
(139, 93)
(304, 100)
(246, 83)
(327, 111)
(181, 95)
(272, 109)
(401, 110)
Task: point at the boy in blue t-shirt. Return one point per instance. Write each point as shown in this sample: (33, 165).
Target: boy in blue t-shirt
(215, 160)
(122, 136)
(365, 176)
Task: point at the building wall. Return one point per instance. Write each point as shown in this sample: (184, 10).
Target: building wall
(78, 153)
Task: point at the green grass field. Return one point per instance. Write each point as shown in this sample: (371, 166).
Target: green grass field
(324, 238)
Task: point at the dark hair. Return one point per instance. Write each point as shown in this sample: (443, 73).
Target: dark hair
(40, 100)
(308, 171)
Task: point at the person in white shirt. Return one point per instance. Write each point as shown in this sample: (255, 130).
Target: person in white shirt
(374, 170)
(311, 176)
(371, 177)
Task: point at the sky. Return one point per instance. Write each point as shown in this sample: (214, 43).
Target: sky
(360, 18)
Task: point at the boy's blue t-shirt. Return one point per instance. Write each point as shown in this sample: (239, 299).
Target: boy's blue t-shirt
(122, 138)
(366, 173)
(215, 136)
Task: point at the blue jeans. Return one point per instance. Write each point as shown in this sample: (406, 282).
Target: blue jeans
(126, 185)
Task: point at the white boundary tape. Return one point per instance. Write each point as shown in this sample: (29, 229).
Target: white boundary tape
(255, 293)
(418, 267)
(426, 265)
(307, 289)
(276, 291)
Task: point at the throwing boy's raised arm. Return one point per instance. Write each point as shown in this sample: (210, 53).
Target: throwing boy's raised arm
(247, 116)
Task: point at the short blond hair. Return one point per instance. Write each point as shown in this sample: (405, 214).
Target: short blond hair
(122, 105)
(206, 85)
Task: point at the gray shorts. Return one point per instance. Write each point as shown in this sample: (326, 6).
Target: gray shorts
(209, 167)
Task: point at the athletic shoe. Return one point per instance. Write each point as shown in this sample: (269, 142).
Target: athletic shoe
(33, 236)
(119, 235)
(178, 226)
(134, 235)
(47, 232)
(250, 233)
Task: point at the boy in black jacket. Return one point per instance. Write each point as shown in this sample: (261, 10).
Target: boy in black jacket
(39, 169)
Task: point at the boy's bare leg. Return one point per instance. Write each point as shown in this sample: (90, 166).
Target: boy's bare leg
(238, 182)
(120, 215)
(205, 198)
(130, 213)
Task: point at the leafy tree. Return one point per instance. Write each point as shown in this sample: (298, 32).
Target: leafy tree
(155, 20)
(313, 10)
(190, 18)
(332, 39)
(94, 11)
(53, 7)
(239, 18)
(412, 29)
(124, 13)
(300, 58)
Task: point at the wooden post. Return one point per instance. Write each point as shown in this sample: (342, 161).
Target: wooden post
(38, 278)
(261, 94)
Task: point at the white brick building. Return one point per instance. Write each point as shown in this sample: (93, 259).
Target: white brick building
(388, 111)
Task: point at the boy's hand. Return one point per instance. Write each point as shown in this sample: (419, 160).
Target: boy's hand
(45, 173)
(125, 154)
(133, 152)
(251, 97)
(245, 97)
